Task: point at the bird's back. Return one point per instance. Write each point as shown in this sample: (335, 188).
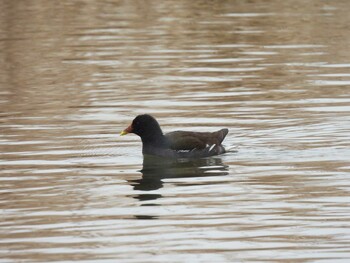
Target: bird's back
(187, 140)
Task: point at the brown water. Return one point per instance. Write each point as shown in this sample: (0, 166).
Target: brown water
(73, 74)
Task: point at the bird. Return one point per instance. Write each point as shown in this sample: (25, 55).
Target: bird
(176, 144)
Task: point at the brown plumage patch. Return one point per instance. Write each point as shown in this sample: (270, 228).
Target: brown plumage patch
(185, 140)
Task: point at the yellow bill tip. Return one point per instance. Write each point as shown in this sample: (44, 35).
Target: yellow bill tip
(123, 133)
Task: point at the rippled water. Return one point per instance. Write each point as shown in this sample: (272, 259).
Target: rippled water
(73, 74)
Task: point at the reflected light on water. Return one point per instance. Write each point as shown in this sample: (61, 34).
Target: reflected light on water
(74, 74)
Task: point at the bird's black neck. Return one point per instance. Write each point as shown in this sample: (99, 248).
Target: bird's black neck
(156, 139)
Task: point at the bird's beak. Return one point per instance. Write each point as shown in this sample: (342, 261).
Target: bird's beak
(126, 131)
(123, 133)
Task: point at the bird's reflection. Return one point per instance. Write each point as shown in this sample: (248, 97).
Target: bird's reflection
(156, 169)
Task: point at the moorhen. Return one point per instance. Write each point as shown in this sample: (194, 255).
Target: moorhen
(176, 144)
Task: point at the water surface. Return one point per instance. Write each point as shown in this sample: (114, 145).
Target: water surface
(74, 74)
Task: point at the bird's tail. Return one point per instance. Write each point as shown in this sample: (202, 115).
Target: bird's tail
(221, 134)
